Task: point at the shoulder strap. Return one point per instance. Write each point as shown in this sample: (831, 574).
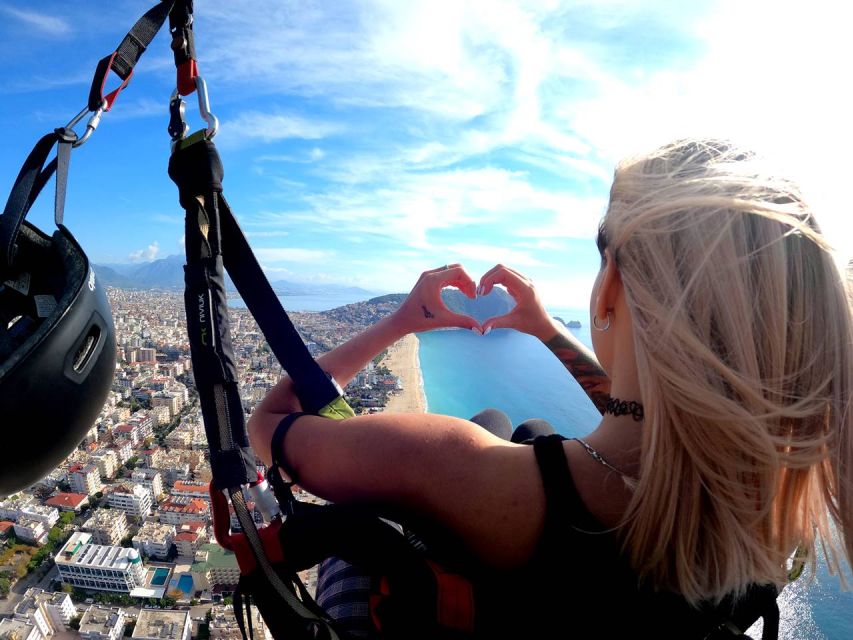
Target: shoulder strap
(561, 498)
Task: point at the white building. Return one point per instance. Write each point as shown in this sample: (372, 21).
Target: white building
(123, 449)
(102, 623)
(153, 624)
(21, 505)
(154, 540)
(180, 510)
(151, 479)
(101, 567)
(30, 530)
(223, 624)
(13, 629)
(134, 500)
(85, 479)
(214, 566)
(50, 612)
(107, 526)
(107, 462)
(191, 489)
(11, 507)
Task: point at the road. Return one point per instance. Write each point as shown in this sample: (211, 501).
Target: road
(40, 578)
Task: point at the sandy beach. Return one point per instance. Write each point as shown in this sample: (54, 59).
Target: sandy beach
(402, 360)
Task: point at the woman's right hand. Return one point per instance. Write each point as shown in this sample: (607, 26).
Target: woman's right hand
(528, 315)
(424, 309)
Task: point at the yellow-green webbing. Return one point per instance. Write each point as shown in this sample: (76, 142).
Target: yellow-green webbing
(337, 409)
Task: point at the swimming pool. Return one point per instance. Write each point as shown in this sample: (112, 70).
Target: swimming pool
(185, 583)
(160, 575)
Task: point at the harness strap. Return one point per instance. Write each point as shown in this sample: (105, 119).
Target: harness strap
(197, 169)
(32, 178)
(127, 54)
(277, 444)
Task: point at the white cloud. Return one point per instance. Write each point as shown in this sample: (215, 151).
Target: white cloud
(310, 256)
(271, 127)
(145, 255)
(491, 255)
(267, 234)
(48, 24)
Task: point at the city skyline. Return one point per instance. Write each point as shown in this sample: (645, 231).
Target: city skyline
(364, 142)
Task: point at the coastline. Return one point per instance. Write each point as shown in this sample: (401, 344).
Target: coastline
(402, 360)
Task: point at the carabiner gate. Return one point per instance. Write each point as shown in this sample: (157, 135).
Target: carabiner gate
(91, 125)
(178, 127)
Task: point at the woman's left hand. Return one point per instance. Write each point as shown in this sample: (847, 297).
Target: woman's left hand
(424, 309)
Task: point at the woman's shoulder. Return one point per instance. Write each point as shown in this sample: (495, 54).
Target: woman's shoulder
(579, 490)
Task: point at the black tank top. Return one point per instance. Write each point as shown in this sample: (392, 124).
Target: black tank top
(578, 584)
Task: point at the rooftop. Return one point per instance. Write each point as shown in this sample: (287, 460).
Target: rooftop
(80, 550)
(68, 500)
(11, 628)
(217, 558)
(153, 623)
(185, 505)
(101, 619)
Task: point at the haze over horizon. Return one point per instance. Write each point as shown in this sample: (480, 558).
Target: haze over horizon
(364, 142)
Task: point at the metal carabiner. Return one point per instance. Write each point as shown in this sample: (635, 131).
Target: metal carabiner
(91, 125)
(178, 127)
(204, 108)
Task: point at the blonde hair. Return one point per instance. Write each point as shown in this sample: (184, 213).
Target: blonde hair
(744, 349)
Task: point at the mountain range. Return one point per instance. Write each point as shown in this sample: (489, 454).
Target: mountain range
(168, 273)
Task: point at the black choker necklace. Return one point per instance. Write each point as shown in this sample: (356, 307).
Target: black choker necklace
(624, 407)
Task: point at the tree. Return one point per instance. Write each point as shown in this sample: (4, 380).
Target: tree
(75, 623)
(66, 517)
(5, 585)
(67, 588)
(129, 627)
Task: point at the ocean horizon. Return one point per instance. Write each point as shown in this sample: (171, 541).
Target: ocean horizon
(464, 373)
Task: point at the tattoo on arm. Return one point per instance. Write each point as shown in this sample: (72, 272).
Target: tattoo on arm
(427, 313)
(584, 368)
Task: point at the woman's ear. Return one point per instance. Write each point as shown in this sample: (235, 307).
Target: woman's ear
(611, 287)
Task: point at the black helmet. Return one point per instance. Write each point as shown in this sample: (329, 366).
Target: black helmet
(57, 341)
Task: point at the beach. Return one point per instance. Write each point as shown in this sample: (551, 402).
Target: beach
(402, 360)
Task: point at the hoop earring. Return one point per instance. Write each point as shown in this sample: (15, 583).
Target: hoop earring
(606, 325)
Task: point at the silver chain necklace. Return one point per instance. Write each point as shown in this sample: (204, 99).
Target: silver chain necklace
(599, 458)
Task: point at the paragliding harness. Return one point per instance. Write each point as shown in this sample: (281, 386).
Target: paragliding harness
(417, 597)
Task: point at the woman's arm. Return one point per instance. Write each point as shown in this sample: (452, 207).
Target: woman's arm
(422, 310)
(485, 491)
(529, 316)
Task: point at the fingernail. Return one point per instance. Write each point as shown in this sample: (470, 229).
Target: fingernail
(480, 290)
(477, 330)
(486, 332)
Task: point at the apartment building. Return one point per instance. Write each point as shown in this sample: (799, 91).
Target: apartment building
(107, 526)
(82, 563)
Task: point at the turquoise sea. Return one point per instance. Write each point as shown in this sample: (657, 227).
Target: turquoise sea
(464, 373)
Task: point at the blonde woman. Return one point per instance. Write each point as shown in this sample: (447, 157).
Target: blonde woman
(723, 333)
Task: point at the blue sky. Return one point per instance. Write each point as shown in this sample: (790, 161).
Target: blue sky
(366, 141)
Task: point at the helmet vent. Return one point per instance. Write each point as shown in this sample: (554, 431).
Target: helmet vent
(84, 354)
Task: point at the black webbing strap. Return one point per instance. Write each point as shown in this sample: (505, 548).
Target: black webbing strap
(197, 169)
(277, 444)
(127, 54)
(183, 45)
(31, 179)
